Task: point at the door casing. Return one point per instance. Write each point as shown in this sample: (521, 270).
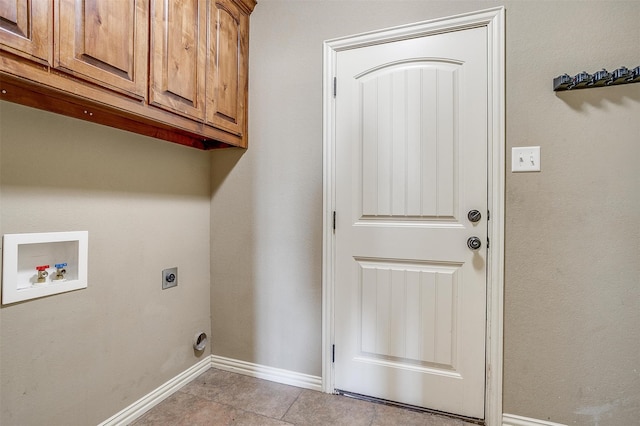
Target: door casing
(493, 19)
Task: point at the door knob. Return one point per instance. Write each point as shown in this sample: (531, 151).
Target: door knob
(474, 216)
(474, 243)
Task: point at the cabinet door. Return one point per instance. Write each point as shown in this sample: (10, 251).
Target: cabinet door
(227, 66)
(178, 55)
(105, 42)
(26, 28)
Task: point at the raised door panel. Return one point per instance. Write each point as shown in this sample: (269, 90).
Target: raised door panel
(26, 28)
(178, 55)
(409, 142)
(104, 42)
(227, 67)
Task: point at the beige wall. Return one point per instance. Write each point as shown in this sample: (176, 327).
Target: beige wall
(78, 358)
(572, 326)
(572, 300)
(572, 342)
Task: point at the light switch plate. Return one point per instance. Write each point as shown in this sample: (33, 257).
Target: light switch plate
(525, 159)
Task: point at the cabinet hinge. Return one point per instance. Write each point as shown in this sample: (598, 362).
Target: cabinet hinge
(488, 215)
(335, 86)
(487, 242)
(334, 220)
(333, 353)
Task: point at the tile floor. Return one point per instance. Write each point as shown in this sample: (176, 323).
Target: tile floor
(218, 397)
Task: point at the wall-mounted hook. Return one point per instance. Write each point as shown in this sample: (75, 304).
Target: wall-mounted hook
(562, 82)
(580, 80)
(600, 78)
(619, 76)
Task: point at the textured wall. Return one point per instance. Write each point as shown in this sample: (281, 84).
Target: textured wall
(266, 262)
(572, 297)
(572, 263)
(572, 326)
(78, 358)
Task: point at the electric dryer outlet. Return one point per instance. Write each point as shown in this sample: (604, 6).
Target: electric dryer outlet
(169, 278)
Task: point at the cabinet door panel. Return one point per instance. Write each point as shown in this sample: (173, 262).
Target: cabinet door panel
(178, 36)
(104, 41)
(26, 28)
(226, 74)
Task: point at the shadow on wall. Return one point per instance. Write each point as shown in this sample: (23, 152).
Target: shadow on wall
(224, 160)
(61, 152)
(599, 97)
(233, 333)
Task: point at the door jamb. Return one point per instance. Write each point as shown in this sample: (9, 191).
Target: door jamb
(494, 20)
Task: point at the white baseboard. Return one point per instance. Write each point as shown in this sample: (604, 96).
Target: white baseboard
(278, 375)
(513, 420)
(144, 404)
(287, 377)
(147, 402)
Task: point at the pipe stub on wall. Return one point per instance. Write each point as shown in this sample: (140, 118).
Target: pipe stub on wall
(200, 341)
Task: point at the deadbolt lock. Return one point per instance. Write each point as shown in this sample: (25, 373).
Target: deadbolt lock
(474, 216)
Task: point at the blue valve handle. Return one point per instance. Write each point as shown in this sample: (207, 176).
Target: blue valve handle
(60, 265)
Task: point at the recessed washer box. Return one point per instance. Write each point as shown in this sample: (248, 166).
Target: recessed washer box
(24, 254)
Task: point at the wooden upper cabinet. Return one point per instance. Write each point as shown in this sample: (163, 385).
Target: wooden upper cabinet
(200, 70)
(178, 56)
(26, 28)
(105, 42)
(171, 69)
(227, 66)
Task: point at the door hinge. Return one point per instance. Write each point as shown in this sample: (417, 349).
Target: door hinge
(333, 353)
(488, 215)
(335, 86)
(334, 220)
(487, 242)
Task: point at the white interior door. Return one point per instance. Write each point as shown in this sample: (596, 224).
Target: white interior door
(411, 120)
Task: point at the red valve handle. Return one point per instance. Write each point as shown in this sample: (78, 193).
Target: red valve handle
(42, 267)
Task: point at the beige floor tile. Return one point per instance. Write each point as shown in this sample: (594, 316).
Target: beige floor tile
(316, 408)
(262, 397)
(183, 409)
(220, 398)
(392, 416)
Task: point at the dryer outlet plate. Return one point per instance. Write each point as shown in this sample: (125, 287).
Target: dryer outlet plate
(169, 278)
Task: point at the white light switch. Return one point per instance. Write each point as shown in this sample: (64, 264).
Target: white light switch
(525, 159)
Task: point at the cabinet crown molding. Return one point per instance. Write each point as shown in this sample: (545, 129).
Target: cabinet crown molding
(247, 5)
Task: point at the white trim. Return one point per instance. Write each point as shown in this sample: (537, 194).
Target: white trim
(513, 420)
(273, 374)
(496, 185)
(147, 402)
(328, 205)
(493, 19)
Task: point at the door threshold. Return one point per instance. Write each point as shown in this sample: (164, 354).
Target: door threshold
(408, 406)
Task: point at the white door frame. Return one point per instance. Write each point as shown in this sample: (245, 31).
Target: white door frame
(493, 19)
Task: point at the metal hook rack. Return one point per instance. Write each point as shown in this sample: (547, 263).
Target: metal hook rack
(602, 78)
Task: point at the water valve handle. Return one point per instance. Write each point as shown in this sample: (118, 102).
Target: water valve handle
(41, 267)
(60, 271)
